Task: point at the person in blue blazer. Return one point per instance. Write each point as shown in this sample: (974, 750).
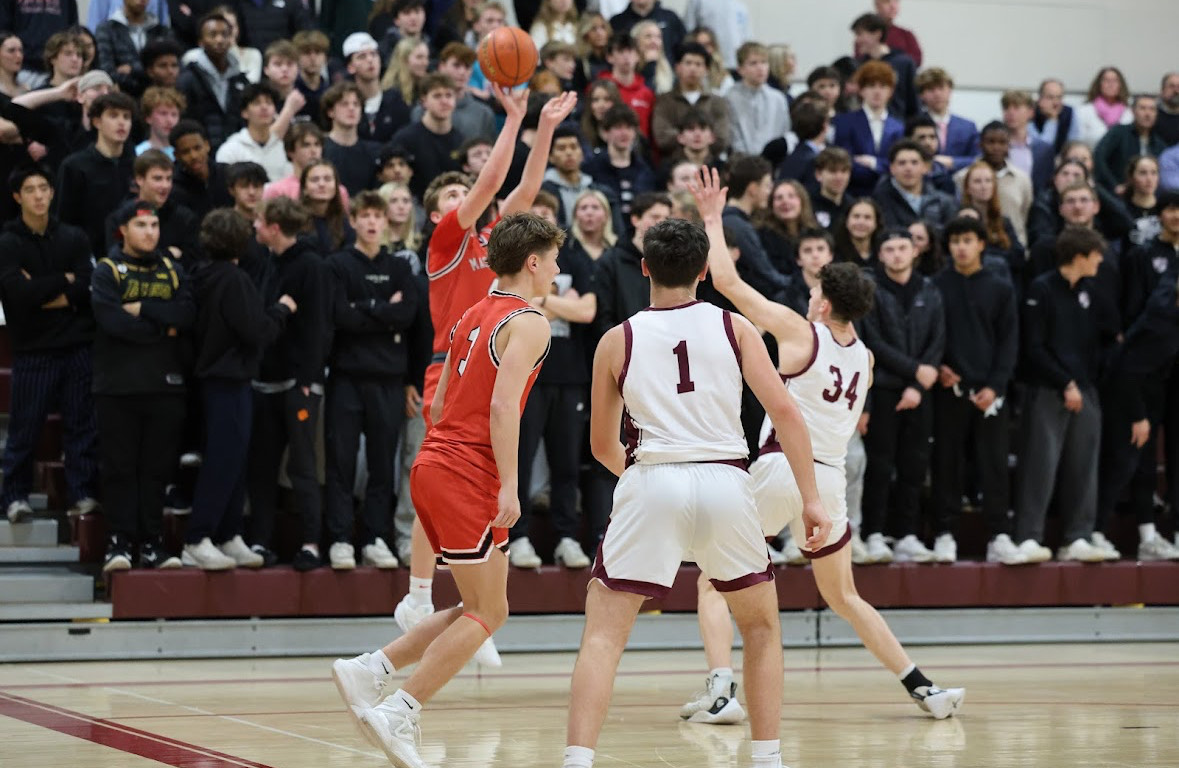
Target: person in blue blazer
(957, 136)
(869, 132)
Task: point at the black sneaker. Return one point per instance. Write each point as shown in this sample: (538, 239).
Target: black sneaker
(306, 560)
(268, 556)
(153, 555)
(118, 555)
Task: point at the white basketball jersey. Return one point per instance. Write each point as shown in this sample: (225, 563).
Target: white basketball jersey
(681, 385)
(830, 394)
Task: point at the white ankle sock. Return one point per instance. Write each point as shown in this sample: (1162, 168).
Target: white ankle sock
(420, 591)
(578, 757)
(767, 754)
(379, 663)
(403, 702)
(722, 672)
(905, 672)
(1147, 532)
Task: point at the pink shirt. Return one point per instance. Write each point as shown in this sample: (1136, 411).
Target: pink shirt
(289, 187)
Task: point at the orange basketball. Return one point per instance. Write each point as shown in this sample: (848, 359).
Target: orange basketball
(508, 56)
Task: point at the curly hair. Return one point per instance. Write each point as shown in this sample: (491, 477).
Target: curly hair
(849, 291)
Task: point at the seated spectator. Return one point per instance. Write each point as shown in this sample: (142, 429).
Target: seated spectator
(760, 113)
(654, 63)
(868, 133)
(375, 302)
(45, 270)
(565, 180)
(159, 65)
(212, 83)
(593, 35)
(556, 20)
(623, 56)
(810, 122)
(232, 328)
(140, 379)
(63, 58)
(122, 36)
(969, 401)
(719, 79)
(560, 59)
(1145, 265)
(780, 225)
(696, 143)
(1054, 121)
(680, 175)
(249, 60)
(906, 197)
(1125, 141)
(385, 110)
(673, 32)
(182, 18)
(408, 64)
(353, 156)
(404, 234)
(898, 38)
(280, 68)
(1061, 352)
(930, 259)
(1167, 125)
(1013, 185)
(980, 192)
(489, 17)
(320, 196)
(408, 22)
(261, 140)
(95, 180)
(263, 23)
(923, 130)
(619, 168)
(179, 226)
(1142, 200)
(957, 137)
(199, 182)
(101, 10)
(593, 229)
(1107, 105)
(619, 283)
(161, 109)
(857, 235)
(471, 117)
(303, 145)
(1026, 153)
(828, 83)
(816, 249)
(750, 184)
(600, 97)
(246, 182)
(870, 30)
(311, 49)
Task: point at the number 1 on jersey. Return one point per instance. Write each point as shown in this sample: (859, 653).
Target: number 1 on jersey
(681, 353)
(471, 337)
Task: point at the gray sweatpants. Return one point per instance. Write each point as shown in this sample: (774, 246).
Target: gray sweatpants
(1059, 451)
(411, 440)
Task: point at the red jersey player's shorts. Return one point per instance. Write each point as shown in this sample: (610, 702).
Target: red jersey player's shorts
(456, 509)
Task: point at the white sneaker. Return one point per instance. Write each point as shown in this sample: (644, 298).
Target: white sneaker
(83, 506)
(378, 554)
(343, 556)
(241, 554)
(360, 686)
(191, 459)
(487, 655)
(1105, 545)
(1082, 551)
(1156, 549)
(1035, 552)
(522, 555)
(859, 550)
(1002, 549)
(398, 733)
(570, 554)
(941, 703)
(205, 556)
(19, 510)
(716, 704)
(945, 549)
(776, 557)
(878, 551)
(408, 615)
(911, 550)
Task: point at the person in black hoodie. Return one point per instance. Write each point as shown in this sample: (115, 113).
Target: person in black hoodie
(619, 283)
(289, 386)
(232, 329)
(906, 331)
(179, 226)
(982, 342)
(199, 182)
(143, 308)
(45, 269)
(375, 303)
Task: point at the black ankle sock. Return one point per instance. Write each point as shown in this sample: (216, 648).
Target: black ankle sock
(915, 680)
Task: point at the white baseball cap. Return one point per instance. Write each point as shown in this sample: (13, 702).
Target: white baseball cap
(357, 42)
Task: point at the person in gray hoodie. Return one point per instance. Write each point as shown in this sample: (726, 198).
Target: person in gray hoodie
(213, 82)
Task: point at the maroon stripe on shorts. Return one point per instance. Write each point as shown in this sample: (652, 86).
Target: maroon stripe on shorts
(830, 549)
(644, 588)
(744, 582)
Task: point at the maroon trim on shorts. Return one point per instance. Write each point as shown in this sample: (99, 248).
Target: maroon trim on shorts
(668, 309)
(830, 549)
(741, 464)
(814, 356)
(644, 588)
(744, 582)
(728, 320)
(628, 341)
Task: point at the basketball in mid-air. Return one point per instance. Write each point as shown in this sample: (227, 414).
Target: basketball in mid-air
(507, 56)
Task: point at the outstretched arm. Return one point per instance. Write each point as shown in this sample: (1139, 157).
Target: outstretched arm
(498, 162)
(551, 115)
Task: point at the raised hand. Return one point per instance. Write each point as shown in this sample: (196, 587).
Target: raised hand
(515, 103)
(557, 109)
(710, 196)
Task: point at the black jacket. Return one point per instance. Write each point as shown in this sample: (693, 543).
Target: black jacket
(300, 351)
(370, 339)
(620, 286)
(263, 23)
(982, 328)
(232, 326)
(937, 209)
(203, 105)
(754, 266)
(780, 249)
(200, 196)
(116, 48)
(1113, 153)
(669, 22)
(147, 354)
(901, 340)
(179, 228)
(390, 117)
(1145, 359)
(45, 259)
(90, 186)
(1060, 333)
(1142, 268)
(35, 23)
(1044, 220)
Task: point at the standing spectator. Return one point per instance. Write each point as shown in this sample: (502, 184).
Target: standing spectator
(101, 10)
(1014, 187)
(245, 182)
(375, 303)
(178, 226)
(261, 140)
(654, 63)
(719, 79)
(898, 38)
(280, 68)
(923, 130)
(93, 181)
(1107, 105)
(980, 193)
(600, 97)
(311, 48)
(433, 140)
(45, 269)
(289, 386)
(907, 197)
(632, 88)
(906, 332)
(408, 23)
(1054, 121)
(385, 111)
(320, 195)
(199, 182)
(1141, 199)
(868, 133)
(353, 156)
(833, 171)
(1167, 126)
(249, 60)
(970, 410)
(957, 137)
(696, 144)
(472, 118)
(303, 145)
(781, 224)
(121, 38)
(652, 10)
(139, 384)
(858, 234)
(232, 329)
(593, 230)
(870, 30)
(729, 21)
(1026, 153)
(264, 21)
(750, 184)
(213, 82)
(1122, 142)
(161, 109)
(619, 168)
(593, 36)
(12, 59)
(565, 179)
(159, 65)
(1061, 414)
(620, 286)
(760, 113)
(35, 23)
(810, 122)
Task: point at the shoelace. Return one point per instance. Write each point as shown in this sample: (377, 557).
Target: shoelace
(409, 727)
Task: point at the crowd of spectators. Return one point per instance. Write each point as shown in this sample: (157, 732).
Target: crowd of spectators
(212, 259)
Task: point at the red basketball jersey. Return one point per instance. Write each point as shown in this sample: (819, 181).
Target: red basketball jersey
(456, 263)
(464, 431)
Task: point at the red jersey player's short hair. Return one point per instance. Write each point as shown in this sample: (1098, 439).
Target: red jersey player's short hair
(430, 199)
(518, 236)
